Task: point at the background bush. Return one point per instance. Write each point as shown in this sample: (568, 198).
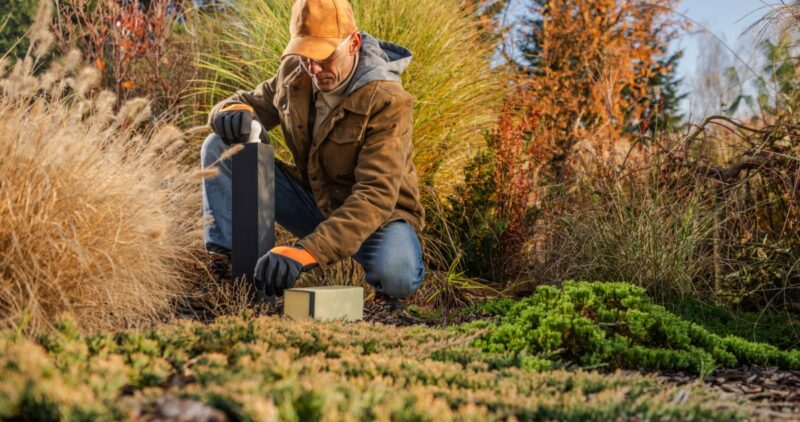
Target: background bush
(641, 231)
(590, 175)
(16, 17)
(141, 48)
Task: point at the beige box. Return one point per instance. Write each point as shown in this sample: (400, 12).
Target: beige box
(324, 303)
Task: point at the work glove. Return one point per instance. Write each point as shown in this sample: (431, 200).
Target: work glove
(279, 268)
(232, 123)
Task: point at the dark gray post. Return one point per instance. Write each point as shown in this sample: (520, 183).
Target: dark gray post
(253, 206)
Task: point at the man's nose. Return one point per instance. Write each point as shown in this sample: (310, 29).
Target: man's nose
(313, 68)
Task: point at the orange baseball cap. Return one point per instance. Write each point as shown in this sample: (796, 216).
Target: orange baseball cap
(318, 27)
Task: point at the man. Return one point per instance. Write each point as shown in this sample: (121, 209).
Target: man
(353, 189)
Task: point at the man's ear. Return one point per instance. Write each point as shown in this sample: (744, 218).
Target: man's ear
(355, 42)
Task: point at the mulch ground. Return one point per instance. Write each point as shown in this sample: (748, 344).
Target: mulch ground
(771, 389)
(373, 312)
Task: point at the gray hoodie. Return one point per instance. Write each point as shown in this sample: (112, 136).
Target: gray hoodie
(379, 61)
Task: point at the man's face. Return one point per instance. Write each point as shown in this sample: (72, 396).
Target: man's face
(331, 72)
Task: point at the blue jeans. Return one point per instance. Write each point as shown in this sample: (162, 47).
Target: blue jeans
(391, 257)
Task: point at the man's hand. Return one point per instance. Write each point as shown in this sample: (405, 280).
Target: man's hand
(232, 123)
(280, 267)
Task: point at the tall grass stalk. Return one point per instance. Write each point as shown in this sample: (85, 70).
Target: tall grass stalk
(648, 235)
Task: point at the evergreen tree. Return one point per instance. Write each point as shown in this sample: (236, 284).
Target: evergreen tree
(16, 16)
(663, 96)
(663, 113)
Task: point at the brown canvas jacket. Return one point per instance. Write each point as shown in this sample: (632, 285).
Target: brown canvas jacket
(359, 167)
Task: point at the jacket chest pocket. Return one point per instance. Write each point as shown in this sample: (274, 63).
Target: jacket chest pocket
(339, 152)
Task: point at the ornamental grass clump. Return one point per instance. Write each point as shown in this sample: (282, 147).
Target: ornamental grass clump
(613, 325)
(97, 217)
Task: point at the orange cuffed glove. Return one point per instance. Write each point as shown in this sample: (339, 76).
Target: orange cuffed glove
(279, 268)
(232, 123)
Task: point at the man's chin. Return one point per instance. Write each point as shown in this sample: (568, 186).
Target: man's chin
(326, 85)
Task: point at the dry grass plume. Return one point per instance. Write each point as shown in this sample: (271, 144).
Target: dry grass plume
(97, 217)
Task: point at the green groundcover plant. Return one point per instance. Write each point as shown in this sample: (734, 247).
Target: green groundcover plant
(615, 325)
(780, 329)
(277, 369)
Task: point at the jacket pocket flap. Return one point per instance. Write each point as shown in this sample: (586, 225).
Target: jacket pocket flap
(349, 129)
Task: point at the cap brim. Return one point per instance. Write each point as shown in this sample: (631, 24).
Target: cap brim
(312, 47)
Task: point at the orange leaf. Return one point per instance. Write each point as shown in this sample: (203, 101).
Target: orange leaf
(100, 63)
(128, 85)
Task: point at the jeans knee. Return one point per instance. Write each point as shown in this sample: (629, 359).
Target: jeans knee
(398, 278)
(212, 148)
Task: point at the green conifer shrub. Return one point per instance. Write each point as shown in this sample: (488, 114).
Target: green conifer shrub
(614, 325)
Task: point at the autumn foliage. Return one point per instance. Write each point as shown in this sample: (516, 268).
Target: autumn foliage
(589, 72)
(588, 77)
(139, 47)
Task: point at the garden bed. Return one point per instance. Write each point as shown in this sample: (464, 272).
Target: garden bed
(263, 368)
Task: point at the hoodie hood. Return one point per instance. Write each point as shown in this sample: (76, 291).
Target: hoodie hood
(379, 61)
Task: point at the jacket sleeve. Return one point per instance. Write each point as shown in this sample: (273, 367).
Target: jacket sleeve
(260, 99)
(378, 174)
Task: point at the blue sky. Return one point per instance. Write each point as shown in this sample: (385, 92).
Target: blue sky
(727, 19)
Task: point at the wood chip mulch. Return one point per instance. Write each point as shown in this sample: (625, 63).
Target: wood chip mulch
(768, 388)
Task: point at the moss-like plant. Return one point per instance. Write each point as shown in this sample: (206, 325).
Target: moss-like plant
(614, 325)
(279, 369)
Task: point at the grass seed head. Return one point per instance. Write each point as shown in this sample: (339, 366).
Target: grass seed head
(90, 227)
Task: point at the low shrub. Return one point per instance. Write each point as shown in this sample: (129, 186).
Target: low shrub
(279, 369)
(613, 325)
(494, 211)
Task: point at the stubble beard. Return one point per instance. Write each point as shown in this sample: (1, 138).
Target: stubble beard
(325, 84)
